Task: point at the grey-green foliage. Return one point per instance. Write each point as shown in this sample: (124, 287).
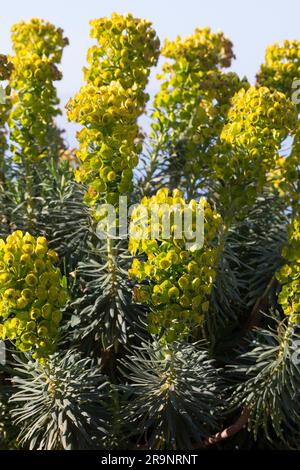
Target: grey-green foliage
(60, 405)
(175, 395)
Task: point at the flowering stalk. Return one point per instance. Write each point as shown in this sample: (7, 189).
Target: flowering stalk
(31, 294)
(5, 73)
(175, 280)
(288, 275)
(108, 107)
(192, 103)
(38, 48)
(110, 103)
(258, 122)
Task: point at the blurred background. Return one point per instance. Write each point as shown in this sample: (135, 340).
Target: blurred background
(251, 26)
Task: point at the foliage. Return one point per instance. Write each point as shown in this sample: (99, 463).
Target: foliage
(178, 280)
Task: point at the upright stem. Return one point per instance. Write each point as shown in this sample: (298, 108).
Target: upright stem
(147, 181)
(111, 253)
(29, 195)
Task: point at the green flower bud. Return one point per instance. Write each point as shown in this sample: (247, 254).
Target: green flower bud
(46, 311)
(31, 280)
(31, 326)
(173, 293)
(35, 313)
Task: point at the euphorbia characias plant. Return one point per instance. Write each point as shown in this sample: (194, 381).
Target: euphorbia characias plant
(161, 338)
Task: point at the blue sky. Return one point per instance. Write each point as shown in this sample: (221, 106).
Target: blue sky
(251, 26)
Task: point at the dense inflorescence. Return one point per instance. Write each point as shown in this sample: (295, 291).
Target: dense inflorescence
(281, 72)
(195, 95)
(289, 274)
(5, 104)
(176, 278)
(31, 293)
(110, 103)
(38, 47)
(258, 123)
(259, 120)
(281, 67)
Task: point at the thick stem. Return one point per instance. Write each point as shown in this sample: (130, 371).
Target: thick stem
(255, 313)
(111, 253)
(228, 432)
(152, 167)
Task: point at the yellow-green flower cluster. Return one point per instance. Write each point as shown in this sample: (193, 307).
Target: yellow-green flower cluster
(5, 67)
(38, 47)
(281, 67)
(285, 176)
(127, 48)
(174, 280)
(204, 49)
(110, 103)
(38, 37)
(289, 275)
(31, 293)
(195, 94)
(108, 146)
(258, 122)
